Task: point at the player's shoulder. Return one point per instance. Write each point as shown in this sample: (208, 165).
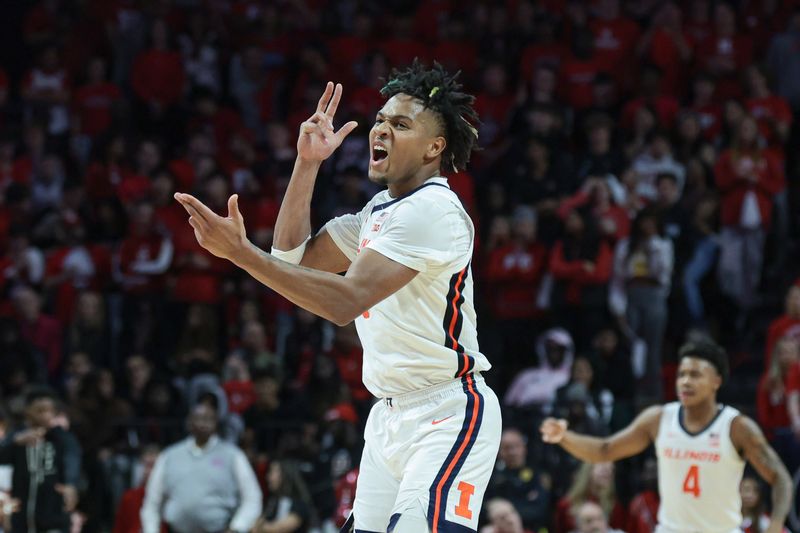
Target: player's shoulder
(649, 419)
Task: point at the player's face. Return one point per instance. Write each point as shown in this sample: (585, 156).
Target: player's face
(697, 381)
(404, 138)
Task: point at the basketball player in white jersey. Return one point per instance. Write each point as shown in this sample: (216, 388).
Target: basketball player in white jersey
(701, 448)
(432, 440)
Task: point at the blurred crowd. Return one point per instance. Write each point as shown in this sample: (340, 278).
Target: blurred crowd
(636, 187)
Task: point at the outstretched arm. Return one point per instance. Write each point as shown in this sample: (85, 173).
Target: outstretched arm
(316, 142)
(340, 299)
(630, 441)
(749, 440)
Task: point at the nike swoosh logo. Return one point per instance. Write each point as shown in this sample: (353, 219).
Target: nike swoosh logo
(442, 420)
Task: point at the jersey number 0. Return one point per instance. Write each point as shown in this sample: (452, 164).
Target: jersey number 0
(691, 484)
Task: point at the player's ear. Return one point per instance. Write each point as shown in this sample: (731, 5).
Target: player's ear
(435, 147)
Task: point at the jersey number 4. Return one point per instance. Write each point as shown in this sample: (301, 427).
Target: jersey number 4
(691, 484)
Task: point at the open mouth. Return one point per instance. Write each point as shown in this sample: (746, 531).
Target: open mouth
(379, 153)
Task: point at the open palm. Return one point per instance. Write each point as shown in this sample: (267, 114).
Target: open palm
(318, 140)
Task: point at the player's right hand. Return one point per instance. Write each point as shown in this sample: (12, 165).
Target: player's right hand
(317, 140)
(29, 437)
(553, 430)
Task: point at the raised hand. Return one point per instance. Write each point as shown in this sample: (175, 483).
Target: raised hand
(222, 236)
(317, 140)
(553, 430)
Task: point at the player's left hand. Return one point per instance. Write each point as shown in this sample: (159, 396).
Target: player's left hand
(222, 236)
(70, 495)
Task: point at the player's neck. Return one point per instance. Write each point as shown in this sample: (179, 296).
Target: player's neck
(699, 416)
(403, 187)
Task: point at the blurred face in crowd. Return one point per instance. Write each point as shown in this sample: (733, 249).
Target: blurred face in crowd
(787, 352)
(544, 80)
(556, 352)
(138, 371)
(40, 413)
(504, 517)
(591, 519)
(748, 131)
(648, 227)
(697, 380)
(97, 70)
(703, 89)
(689, 128)
(733, 113)
(724, 20)
(667, 191)
(574, 224)
(275, 477)
(90, 308)
(411, 138)
(148, 158)
(605, 342)
(202, 423)
(602, 476)
(793, 302)
(27, 303)
(756, 81)
(267, 390)
(513, 450)
(750, 493)
(582, 371)
(253, 336)
(494, 79)
(105, 384)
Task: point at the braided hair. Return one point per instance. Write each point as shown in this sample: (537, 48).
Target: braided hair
(442, 94)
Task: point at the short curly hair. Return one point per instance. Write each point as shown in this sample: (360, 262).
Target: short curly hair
(442, 94)
(710, 351)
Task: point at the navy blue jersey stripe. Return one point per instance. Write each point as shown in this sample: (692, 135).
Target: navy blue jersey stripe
(391, 202)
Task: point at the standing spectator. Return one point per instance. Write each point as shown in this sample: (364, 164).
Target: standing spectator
(615, 37)
(748, 177)
(590, 518)
(592, 483)
(503, 517)
(581, 265)
(784, 62)
(786, 325)
(656, 160)
(42, 331)
(701, 245)
(47, 466)
(726, 52)
(667, 45)
(288, 508)
(526, 487)
(94, 102)
(772, 112)
(201, 483)
(611, 364)
(597, 194)
(46, 91)
(639, 291)
(536, 386)
(127, 519)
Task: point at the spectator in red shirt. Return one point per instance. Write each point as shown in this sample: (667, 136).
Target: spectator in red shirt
(773, 395)
(46, 91)
(579, 71)
(581, 265)
(611, 219)
(725, 53)
(494, 104)
(793, 407)
(667, 45)
(127, 519)
(94, 102)
(786, 325)
(643, 509)
(615, 37)
(773, 114)
(42, 331)
(748, 178)
(706, 106)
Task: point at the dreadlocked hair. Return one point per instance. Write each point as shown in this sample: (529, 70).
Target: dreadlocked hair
(441, 93)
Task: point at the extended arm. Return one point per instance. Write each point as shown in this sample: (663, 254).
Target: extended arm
(749, 440)
(317, 141)
(630, 441)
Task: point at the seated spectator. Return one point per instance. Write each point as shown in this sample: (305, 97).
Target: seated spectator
(536, 386)
(639, 290)
(127, 518)
(700, 245)
(595, 484)
(42, 331)
(590, 518)
(748, 177)
(503, 518)
(525, 487)
(201, 483)
(786, 325)
(581, 264)
(643, 509)
(755, 518)
(611, 363)
(656, 159)
(288, 508)
(597, 401)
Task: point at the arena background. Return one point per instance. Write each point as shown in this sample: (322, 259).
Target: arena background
(657, 122)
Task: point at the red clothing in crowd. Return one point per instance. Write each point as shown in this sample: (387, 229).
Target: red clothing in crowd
(664, 53)
(136, 250)
(577, 76)
(643, 512)
(614, 41)
(240, 394)
(350, 364)
(666, 108)
(771, 405)
(197, 275)
(93, 105)
(158, 77)
(62, 264)
(45, 335)
(710, 120)
(565, 521)
(130, 505)
(615, 214)
(731, 171)
(536, 55)
(738, 50)
(784, 326)
(575, 274)
(767, 110)
(513, 275)
(793, 379)
(403, 51)
(457, 55)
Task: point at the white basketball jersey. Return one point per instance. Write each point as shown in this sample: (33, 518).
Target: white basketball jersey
(425, 333)
(698, 475)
